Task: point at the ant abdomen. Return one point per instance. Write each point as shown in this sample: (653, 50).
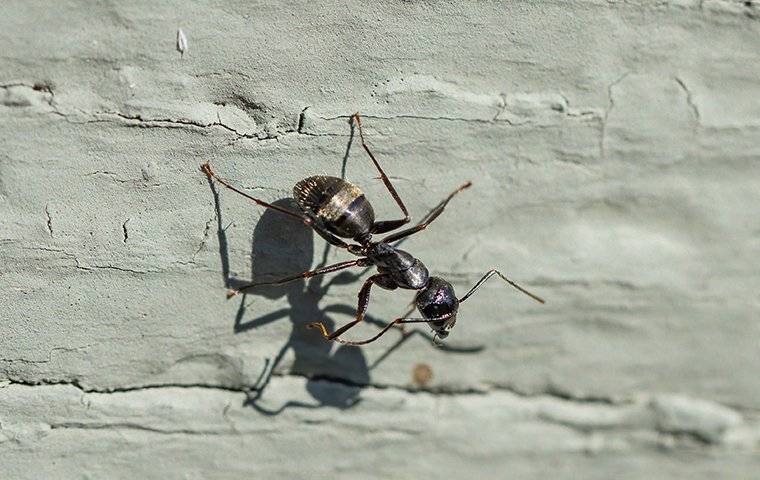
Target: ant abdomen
(339, 206)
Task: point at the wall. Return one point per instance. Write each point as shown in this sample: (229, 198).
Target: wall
(613, 147)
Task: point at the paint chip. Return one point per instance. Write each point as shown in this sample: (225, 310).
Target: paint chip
(181, 42)
(422, 374)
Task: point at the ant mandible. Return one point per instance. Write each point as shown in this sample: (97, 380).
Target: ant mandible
(336, 210)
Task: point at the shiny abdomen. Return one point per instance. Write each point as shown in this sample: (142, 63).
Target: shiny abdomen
(338, 205)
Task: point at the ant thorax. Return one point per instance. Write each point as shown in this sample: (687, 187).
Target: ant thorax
(406, 271)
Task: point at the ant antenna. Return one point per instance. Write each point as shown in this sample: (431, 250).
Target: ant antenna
(490, 274)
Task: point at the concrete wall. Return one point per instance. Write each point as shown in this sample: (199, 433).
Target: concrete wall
(614, 151)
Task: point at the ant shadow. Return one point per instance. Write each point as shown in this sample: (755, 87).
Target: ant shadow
(282, 246)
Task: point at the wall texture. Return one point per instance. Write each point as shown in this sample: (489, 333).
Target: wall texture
(614, 151)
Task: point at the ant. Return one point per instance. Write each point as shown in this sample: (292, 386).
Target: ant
(336, 210)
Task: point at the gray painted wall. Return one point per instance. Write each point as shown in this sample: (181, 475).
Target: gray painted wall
(614, 151)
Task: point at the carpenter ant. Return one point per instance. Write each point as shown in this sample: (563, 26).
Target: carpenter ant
(336, 210)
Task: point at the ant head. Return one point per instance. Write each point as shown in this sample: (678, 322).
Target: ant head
(438, 304)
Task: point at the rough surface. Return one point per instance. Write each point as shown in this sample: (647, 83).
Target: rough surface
(614, 151)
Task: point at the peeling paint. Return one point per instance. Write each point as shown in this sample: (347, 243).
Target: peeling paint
(612, 147)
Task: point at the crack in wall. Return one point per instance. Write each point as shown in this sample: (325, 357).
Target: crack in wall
(23, 360)
(144, 428)
(48, 221)
(444, 390)
(120, 269)
(300, 127)
(78, 264)
(427, 118)
(204, 238)
(184, 123)
(153, 386)
(715, 7)
(606, 114)
(690, 101)
(58, 250)
(25, 101)
(49, 357)
(173, 122)
(680, 419)
(302, 120)
(112, 175)
(125, 233)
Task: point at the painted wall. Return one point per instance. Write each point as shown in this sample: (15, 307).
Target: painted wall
(613, 148)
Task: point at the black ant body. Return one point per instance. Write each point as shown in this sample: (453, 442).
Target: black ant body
(337, 210)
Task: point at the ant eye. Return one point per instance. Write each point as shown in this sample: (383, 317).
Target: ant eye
(438, 309)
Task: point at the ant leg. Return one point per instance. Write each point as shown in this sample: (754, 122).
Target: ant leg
(361, 309)
(405, 335)
(428, 220)
(410, 308)
(490, 274)
(332, 239)
(206, 168)
(311, 273)
(393, 324)
(387, 225)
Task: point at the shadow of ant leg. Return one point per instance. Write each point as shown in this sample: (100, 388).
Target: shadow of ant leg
(261, 376)
(404, 337)
(241, 326)
(325, 253)
(221, 234)
(264, 378)
(288, 404)
(348, 148)
(407, 335)
(263, 382)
